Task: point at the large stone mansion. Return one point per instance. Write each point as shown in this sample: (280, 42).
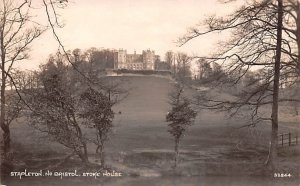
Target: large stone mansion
(144, 61)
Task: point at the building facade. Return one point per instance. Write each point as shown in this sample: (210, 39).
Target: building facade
(144, 61)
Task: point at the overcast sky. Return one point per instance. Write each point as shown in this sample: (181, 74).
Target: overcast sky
(129, 24)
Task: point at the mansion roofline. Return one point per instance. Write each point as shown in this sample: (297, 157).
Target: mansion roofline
(144, 61)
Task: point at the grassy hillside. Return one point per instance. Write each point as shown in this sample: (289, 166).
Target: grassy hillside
(141, 124)
(140, 144)
(147, 100)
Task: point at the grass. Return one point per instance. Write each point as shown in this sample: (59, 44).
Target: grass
(141, 147)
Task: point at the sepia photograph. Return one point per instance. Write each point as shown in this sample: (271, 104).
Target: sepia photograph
(150, 92)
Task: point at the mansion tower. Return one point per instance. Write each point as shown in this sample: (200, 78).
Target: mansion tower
(144, 61)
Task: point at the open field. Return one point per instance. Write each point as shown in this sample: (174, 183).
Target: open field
(213, 151)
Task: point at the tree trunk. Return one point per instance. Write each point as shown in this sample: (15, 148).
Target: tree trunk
(4, 126)
(102, 156)
(83, 157)
(298, 36)
(100, 152)
(85, 152)
(176, 152)
(274, 117)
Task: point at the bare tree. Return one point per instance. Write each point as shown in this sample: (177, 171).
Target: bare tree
(274, 116)
(14, 104)
(205, 70)
(17, 32)
(170, 60)
(183, 65)
(258, 39)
